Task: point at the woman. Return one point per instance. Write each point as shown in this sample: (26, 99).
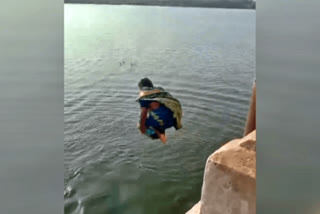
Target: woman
(159, 110)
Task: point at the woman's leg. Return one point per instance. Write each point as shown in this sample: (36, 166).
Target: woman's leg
(161, 136)
(156, 124)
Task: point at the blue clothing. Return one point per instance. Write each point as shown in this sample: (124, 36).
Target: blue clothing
(160, 118)
(151, 133)
(145, 103)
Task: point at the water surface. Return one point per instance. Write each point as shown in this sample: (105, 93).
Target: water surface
(203, 57)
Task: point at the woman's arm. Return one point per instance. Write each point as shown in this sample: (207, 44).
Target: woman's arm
(143, 118)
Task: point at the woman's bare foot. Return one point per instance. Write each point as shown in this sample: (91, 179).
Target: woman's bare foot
(163, 138)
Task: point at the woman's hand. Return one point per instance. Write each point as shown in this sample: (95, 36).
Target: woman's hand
(142, 129)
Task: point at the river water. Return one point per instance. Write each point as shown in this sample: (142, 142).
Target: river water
(203, 57)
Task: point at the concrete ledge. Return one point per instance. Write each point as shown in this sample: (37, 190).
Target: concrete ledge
(229, 184)
(195, 209)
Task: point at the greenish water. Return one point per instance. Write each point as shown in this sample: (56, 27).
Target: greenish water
(203, 57)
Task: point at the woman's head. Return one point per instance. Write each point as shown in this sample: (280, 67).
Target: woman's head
(145, 83)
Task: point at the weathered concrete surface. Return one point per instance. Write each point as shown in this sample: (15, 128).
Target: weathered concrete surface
(229, 184)
(195, 209)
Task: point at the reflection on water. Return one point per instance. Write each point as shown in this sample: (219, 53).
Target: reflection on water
(203, 57)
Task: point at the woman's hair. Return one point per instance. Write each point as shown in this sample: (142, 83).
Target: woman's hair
(145, 82)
